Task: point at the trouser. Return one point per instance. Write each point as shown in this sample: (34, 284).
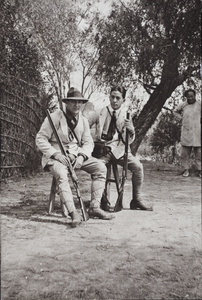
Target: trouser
(136, 167)
(98, 175)
(185, 156)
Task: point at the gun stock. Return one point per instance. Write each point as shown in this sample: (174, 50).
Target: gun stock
(70, 168)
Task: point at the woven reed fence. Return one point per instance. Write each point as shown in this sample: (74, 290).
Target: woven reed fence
(21, 117)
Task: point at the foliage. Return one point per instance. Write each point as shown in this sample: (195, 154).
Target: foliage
(166, 133)
(51, 30)
(19, 58)
(155, 43)
(87, 51)
(20, 79)
(63, 33)
(138, 38)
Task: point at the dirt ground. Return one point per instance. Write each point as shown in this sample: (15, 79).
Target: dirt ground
(137, 255)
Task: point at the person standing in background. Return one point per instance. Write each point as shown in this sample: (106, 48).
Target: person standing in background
(190, 113)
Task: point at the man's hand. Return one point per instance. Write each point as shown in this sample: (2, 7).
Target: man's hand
(79, 162)
(129, 125)
(72, 157)
(61, 158)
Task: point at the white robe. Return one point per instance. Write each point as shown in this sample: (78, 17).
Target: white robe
(191, 123)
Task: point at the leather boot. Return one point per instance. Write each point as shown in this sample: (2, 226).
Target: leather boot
(138, 205)
(100, 214)
(76, 219)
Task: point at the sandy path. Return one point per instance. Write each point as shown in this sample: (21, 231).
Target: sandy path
(137, 255)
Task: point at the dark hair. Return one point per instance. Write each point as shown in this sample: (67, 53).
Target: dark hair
(189, 90)
(120, 89)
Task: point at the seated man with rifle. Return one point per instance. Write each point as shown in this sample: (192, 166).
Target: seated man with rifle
(113, 134)
(66, 143)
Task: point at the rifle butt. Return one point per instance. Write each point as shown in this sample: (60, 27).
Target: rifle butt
(119, 203)
(85, 214)
(82, 204)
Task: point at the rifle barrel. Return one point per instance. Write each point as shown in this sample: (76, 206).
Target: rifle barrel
(119, 205)
(71, 170)
(62, 149)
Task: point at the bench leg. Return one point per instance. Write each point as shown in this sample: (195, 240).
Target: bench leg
(105, 203)
(116, 176)
(52, 200)
(52, 196)
(108, 182)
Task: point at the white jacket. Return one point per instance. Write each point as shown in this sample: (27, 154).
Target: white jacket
(47, 144)
(117, 146)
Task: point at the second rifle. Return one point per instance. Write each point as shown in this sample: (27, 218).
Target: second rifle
(119, 202)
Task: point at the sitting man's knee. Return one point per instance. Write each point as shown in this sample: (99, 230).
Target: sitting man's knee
(59, 171)
(140, 165)
(102, 168)
(136, 166)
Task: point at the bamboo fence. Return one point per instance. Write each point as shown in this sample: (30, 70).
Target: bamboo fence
(20, 116)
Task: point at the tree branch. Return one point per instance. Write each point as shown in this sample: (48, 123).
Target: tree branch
(187, 73)
(166, 108)
(148, 87)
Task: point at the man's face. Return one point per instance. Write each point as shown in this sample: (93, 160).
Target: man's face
(116, 100)
(73, 106)
(191, 98)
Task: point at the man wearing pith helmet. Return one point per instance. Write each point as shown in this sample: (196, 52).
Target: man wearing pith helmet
(73, 129)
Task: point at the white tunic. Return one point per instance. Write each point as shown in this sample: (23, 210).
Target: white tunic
(191, 123)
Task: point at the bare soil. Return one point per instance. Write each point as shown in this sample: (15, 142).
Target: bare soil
(137, 255)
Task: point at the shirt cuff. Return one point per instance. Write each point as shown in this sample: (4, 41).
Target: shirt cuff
(84, 156)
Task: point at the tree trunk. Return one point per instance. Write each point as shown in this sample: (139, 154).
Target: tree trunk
(170, 80)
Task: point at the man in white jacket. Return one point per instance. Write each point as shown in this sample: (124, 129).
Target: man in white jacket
(73, 129)
(190, 113)
(111, 125)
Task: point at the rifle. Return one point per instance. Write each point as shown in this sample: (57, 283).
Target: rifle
(70, 168)
(119, 203)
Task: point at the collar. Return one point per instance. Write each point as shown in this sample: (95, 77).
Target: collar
(72, 121)
(70, 116)
(117, 110)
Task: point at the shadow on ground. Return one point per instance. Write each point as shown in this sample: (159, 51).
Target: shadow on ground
(34, 203)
